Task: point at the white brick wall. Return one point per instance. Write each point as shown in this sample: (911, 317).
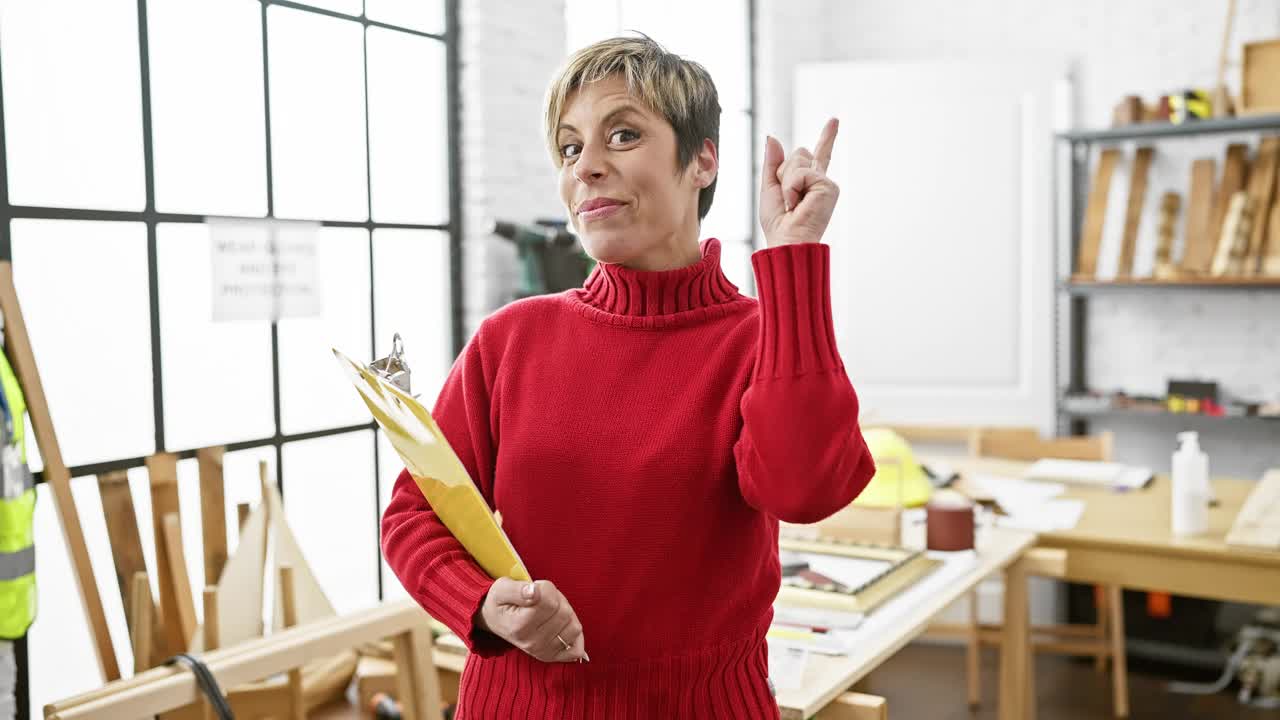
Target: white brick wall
(1145, 47)
(508, 52)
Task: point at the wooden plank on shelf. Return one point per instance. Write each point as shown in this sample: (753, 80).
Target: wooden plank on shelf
(213, 512)
(1233, 176)
(1228, 259)
(1096, 212)
(1133, 213)
(163, 472)
(1271, 258)
(56, 474)
(1262, 182)
(1197, 251)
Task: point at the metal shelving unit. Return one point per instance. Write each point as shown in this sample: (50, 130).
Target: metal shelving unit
(1071, 304)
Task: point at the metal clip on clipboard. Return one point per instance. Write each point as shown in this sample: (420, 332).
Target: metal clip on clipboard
(393, 368)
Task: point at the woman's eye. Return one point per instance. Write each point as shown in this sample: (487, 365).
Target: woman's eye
(623, 136)
(570, 150)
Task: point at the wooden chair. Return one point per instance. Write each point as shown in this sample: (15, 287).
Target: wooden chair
(1104, 640)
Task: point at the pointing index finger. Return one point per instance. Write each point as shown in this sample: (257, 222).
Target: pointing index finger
(822, 151)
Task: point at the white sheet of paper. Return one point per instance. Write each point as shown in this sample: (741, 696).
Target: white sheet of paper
(786, 666)
(853, 572)
(1014, 492)
(1062, 514)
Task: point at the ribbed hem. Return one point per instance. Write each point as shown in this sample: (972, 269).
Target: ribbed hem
(460, 589)
(796, 334)
(726, 682)
(621, 296)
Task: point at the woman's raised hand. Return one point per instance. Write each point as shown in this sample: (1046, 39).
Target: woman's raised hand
(796, 196)
(536, 618)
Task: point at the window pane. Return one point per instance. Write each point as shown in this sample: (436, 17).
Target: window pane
(424, 15)
(90, 332)
(72, 108)
(217, 376)
(407, 129)
(330, 503)
(314, 393)
(61, 660)
(348, 7)
(316, 65)
(411, 288)
(206, 107)
(389, 467)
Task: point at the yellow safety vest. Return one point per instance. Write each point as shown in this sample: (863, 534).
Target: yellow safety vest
(17, 510)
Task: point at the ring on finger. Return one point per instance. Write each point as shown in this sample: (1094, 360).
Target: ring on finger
(566, 645)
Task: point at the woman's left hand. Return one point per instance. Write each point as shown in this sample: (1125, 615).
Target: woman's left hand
(796, 196)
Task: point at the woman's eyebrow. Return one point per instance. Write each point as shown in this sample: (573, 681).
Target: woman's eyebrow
(620, 110)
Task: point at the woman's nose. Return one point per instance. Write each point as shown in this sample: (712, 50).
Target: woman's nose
(590, 165)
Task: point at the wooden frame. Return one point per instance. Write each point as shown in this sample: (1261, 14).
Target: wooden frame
(170, 688)
(906, 568)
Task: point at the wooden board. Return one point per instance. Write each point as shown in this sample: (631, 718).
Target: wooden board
(56, 475)
(1259, 92)
(213, 512)
(140, 617)
(1096, 212)
(163, 472)
(1228, 260)
(126, 553)
(1133, 214)
(1197, 251)
(122, 532)
(1233, 176)
(1262, 182)
(184, 609)
(1271, 258)
(240, 612)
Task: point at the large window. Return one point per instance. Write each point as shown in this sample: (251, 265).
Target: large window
(718, 34)
(126, 125)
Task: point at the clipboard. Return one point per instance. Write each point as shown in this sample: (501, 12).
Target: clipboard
(434, 466)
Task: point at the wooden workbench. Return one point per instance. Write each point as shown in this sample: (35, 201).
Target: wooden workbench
(1124, 539)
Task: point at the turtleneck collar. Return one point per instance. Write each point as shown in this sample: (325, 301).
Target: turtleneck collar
(621, 293)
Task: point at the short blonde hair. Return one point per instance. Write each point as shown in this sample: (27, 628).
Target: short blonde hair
(678, 89)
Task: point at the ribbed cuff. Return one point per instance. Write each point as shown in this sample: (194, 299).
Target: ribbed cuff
(466, 586)
(796, 334)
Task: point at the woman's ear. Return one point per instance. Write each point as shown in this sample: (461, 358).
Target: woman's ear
(706, 164)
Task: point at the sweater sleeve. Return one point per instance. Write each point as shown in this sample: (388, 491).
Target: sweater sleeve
(800, 453)
(433, 566)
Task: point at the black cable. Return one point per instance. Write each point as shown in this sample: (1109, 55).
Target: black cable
(207, 683)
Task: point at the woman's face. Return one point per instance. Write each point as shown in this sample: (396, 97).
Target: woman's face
(627, 200)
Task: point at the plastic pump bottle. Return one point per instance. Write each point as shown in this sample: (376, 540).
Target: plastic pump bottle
(1191, 492)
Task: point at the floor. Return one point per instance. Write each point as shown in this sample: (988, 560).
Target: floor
(1066, 689)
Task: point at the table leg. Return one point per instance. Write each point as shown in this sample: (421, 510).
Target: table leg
(1016, 696)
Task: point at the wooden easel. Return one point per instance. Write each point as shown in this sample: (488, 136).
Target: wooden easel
(56, 474)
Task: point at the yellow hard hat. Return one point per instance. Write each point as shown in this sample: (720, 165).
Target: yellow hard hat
(899, 480)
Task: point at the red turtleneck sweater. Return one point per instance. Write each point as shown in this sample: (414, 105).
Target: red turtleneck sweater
(642, 436)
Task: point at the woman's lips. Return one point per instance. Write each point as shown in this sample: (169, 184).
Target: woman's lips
(601, 212)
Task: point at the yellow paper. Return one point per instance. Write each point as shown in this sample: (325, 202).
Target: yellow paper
(440, 475)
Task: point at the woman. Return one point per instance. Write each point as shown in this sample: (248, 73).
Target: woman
(642, 435)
